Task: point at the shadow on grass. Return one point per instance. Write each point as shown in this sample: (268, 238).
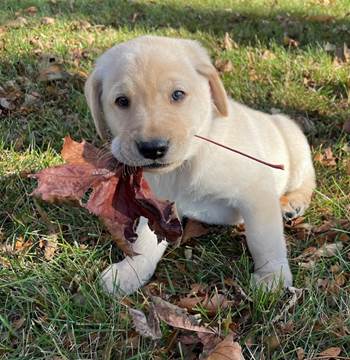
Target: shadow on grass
(260, 25)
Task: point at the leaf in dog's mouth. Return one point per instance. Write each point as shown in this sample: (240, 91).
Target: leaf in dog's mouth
(119, 197)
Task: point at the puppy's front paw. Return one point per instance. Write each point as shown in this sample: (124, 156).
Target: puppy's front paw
(125, 277)
(273, 275)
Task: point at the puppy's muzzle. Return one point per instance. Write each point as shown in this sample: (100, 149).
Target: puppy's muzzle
(153, 149)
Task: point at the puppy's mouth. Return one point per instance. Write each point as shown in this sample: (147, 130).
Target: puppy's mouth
(156, 166)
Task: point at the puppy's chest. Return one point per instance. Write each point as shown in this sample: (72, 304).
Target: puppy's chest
(193, 201)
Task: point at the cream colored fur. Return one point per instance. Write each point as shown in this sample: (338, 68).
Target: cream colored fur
(207, 183)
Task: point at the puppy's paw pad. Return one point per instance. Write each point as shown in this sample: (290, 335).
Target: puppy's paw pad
(293, 205)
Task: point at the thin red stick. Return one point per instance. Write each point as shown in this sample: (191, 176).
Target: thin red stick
(281, 167)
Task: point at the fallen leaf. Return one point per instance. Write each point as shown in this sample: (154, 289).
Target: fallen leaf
(346, 126)
(323, 18)
(50, 246)
(177, 317)
(120, 195)
(17, 23)
(296, 295)
(326, 158)
(229, 44)
(272, 342)
(223, 66)
(329, 47)
(342, 54)
(300, 353)
(329, 250)
(268, 55)
(227, 350)
(288, 41)
(193, 229)
(32, 10)
(5, 104)
(18, 323)
(146, 327)
(52, 73)
(47, 20)
(330, 353)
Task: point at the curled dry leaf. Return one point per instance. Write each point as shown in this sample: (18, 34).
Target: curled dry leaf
(177, 317)
(50, 246)
(47, 20)
(193, 229)
(223, 66)
(147, 327)
(229, 44)
(120, 195)
(326, 158)
(227, 349)
(211, 304)
(330, 353)
(53, 72)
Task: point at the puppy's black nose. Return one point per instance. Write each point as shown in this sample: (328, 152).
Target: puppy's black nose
(153, 149)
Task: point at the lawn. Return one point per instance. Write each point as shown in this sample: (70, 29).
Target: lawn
(286, 56)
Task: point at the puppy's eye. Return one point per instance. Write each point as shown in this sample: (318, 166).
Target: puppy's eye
(122, 101)
(178, 95)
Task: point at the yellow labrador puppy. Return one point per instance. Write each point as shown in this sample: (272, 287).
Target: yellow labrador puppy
(154, 94)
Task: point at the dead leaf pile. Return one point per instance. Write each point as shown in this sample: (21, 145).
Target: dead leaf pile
(119, 196)
(214, 347)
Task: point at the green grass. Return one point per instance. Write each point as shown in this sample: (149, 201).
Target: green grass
(55, 309)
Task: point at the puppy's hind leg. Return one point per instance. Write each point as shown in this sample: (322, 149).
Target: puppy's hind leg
(296, 201)
(128, 275)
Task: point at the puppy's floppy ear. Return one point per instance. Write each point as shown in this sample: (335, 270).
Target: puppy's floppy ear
(203, 65)
(93, 92)
(218, 92)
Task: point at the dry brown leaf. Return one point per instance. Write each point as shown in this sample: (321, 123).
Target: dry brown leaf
(296, 295)
(330, 353)
(288, 41)
(177, 317)
(323, 18)
(6, 104)
(342, 54)
(227, 349)
(47, 20)
(193, 229)
(326, 158)
(52, 73)
(300, 353)
(223, 66)
(50, 246)
(147, 327)
(18, 323)
(4, 262)
(268, 55)
(329, 250)
(229, 44)
(272, 342)
(32, 10)
(346, 126)
(17, 23)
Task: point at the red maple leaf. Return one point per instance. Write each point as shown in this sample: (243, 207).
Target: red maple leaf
(119, 193)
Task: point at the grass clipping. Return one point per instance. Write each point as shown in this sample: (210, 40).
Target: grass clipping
(116, 193)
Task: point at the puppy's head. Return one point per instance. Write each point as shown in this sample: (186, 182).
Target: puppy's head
(154, 94)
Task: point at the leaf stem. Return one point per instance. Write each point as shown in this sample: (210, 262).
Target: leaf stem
(279, 166)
